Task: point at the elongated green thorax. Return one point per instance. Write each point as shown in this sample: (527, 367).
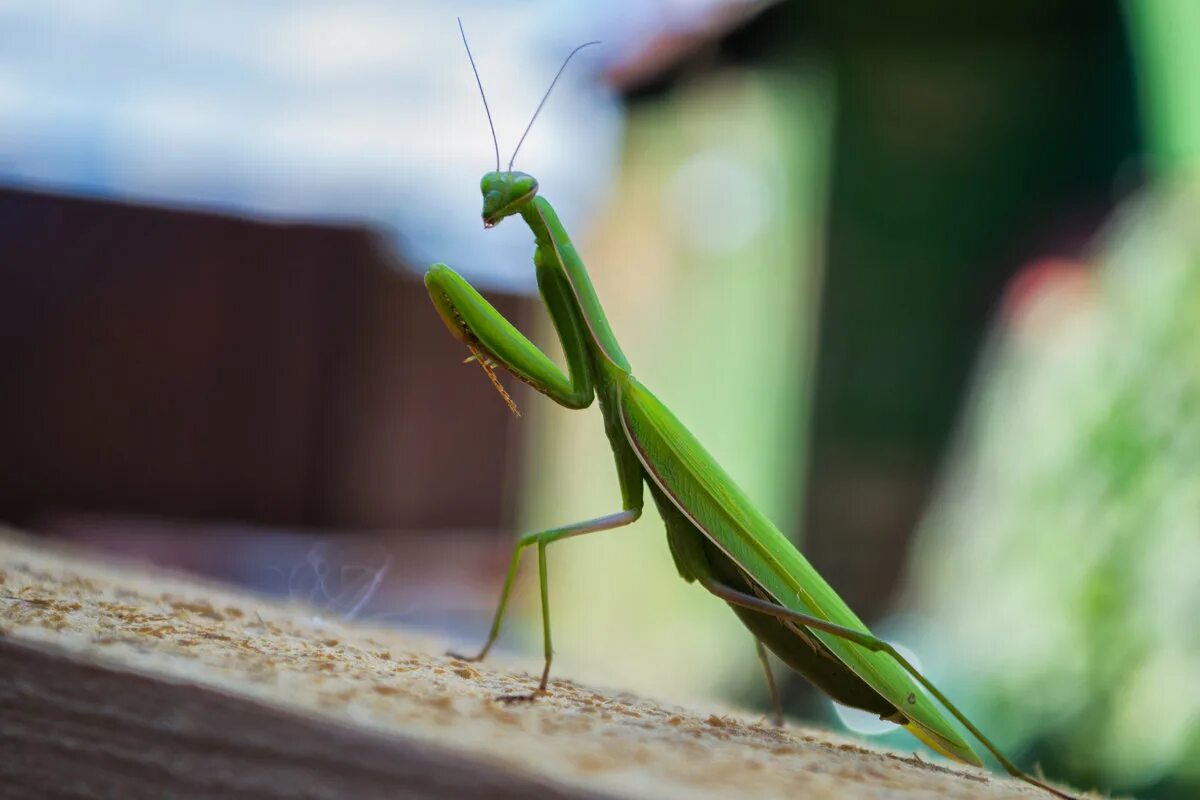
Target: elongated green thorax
(553, 242)
(511, 192)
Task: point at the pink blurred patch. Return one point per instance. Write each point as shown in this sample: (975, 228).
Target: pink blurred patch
(1045, 291)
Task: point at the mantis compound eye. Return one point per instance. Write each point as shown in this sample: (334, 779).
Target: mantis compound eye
(523, 185)
(493, 201)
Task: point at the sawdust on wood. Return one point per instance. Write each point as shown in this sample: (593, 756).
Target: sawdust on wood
(400, 691)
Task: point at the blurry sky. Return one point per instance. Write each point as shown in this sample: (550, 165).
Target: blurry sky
(361, 112)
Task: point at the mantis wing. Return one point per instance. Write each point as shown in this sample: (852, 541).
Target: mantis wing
(705, 494)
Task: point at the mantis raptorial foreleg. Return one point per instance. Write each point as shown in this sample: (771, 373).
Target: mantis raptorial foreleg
(476, 322)
(874, 644)
(543, 539)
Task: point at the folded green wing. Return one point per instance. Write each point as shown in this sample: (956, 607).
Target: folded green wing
(705, 494)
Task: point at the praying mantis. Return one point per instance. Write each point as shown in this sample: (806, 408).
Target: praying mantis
(717, 537)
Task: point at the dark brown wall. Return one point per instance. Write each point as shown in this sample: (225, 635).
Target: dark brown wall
(170, 363)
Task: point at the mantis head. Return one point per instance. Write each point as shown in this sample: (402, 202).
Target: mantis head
(505, 193)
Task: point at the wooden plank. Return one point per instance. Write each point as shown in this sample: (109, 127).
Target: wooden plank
(126, 682)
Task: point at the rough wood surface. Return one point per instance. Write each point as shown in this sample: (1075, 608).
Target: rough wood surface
(123, 682)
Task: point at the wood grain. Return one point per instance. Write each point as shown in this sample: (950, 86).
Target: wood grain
(129, 682)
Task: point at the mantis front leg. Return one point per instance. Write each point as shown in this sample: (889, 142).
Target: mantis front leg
(475, 322)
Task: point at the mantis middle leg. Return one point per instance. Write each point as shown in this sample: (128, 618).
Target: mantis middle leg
(543, 539)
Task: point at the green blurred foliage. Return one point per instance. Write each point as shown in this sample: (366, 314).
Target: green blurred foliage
(1058, 571)
(1059, 566)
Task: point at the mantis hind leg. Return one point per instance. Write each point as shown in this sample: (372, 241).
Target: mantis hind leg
(875, 644)
(543, 539)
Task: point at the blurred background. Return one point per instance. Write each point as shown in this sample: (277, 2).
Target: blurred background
(924, 276)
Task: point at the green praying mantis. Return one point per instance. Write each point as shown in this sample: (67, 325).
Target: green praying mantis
(716, 535)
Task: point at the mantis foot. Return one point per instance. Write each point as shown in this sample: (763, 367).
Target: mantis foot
(468, 659)
(522, 698)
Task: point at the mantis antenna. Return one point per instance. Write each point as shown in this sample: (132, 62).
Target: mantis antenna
(487, 110)
(545, 97)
